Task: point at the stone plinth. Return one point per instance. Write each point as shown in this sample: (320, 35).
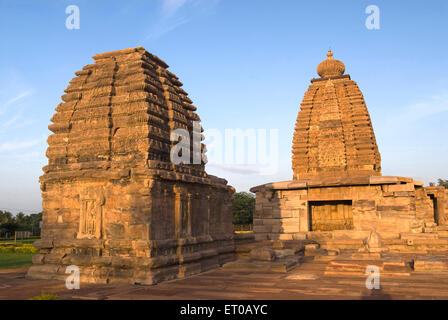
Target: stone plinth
(114, 204)
(390, 205)
(431, 264)
(357, 266)
(268, 256)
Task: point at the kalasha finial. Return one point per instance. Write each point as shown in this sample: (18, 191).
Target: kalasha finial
(330, 67)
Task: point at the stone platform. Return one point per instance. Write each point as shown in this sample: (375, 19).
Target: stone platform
(306, 281)
(274, 256)
(350, 265)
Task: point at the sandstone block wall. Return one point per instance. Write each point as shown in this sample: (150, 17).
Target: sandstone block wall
(390, 205)
(113, 203)
(337, 189)
(439, 197)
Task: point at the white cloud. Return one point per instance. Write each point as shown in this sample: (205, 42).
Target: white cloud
(13, 120)
(169, 7)
(17, 145)
(29, 156)
(175, 13)
(243, 169)
(18, 97)
(432, 105)
(11, 101)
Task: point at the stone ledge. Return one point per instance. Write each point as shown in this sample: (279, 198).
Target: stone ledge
(334, 182)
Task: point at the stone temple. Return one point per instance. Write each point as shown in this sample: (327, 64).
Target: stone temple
(338, 196)
(114, 204)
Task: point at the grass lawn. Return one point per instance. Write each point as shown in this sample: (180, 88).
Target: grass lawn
(15, 260)
(18, 241)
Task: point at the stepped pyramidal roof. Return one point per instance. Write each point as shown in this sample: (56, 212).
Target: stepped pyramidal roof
(334, 135)
(119, 112)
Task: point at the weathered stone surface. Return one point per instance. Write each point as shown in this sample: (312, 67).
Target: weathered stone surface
(333, 134)
(366, 256)
(357, 265)
(373, 244)
(279, 254)
(246, 265)
(304, 276)
(311, 246)
(113, 202)
(262, 254)
(337, 195)
(332, 252)
(431, 263)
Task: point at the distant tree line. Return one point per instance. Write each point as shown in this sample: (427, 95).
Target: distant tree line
(10, 223)
(440, 183)
(443, 183)
(243, 207)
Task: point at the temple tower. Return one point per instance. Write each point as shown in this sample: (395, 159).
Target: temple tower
(113, 202)
(337, 191)
(333, 135)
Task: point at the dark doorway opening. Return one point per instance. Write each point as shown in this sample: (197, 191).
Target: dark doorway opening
(434, 206)
(330, 215)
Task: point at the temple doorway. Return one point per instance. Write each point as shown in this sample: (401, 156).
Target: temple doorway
(331, 215)
(434, 207)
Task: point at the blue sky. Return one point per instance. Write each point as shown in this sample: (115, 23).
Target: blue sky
(245, 64)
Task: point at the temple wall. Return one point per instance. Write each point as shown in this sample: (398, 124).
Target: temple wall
(141, 230)
(114, 203)
(123, 211)
(440, 200)
(391, 209)
(443, 216)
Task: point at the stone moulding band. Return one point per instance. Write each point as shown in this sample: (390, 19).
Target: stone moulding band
(335, 182)
(137, 173)
(345, 76)
(147, 252)
(102, 243)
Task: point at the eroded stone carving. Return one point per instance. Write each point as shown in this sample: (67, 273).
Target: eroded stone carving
(91, 213)
(333, 135)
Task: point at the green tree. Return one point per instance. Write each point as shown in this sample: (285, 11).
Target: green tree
(35, 218)
(243, 207)
(5, 217)
(9, 227)
(443, 183)
(23, 221)
(20, 222)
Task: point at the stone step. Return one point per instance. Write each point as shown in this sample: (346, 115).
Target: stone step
(295, 245)
(431, 264)
(361, 274)
(323, 258)
(442, 234)
(357, 264)
(242, 255)
(315, 252)
(248, 265)
(418, 236)
(312, 246)
(352, 244)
